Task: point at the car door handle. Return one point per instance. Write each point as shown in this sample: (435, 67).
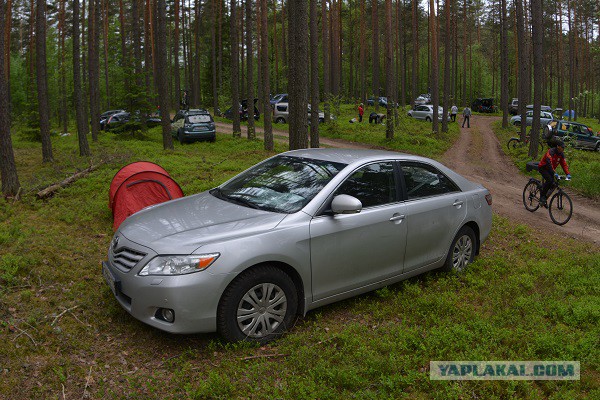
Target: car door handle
(458, 203)
(397, 218)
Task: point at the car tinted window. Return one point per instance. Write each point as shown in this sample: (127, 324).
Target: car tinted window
(423, 180)
(282, 184)
(373, 185)
(199, 118)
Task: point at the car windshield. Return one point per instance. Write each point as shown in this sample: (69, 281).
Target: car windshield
(282, 184)
(199, 118)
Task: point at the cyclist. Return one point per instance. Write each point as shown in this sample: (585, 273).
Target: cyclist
(547, 167)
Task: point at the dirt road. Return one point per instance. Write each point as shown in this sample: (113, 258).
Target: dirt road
(478, 155)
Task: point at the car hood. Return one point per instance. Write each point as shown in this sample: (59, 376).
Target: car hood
(181, 226)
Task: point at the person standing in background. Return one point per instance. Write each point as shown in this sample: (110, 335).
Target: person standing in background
(361, 111)
(466, 117)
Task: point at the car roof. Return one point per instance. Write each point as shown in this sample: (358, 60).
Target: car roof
(196, 111)
(349, 156)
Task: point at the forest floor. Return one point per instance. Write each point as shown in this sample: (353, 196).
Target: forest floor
(478, 156)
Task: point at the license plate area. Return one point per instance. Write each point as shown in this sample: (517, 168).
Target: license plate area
(111, 280)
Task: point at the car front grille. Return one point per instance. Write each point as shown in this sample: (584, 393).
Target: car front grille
(126, 258)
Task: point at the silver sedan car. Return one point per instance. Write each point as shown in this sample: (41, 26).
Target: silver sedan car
(425, 112)
(295, 232)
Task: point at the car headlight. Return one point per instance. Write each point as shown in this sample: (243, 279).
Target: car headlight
(178, 265)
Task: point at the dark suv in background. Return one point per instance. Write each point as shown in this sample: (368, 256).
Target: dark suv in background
(580, 135)
(193, 125)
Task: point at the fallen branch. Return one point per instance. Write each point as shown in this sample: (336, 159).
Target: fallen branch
(61, 314)
(264, 356)
(50, 190)
(23, 332)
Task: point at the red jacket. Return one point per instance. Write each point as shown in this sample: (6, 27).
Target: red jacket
(552, 158)
(360, 110)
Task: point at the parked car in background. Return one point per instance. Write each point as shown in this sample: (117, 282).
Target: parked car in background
(193, 125)
(580, 135)
(545, 118)
(281, 97)
(281, 113)
(423, 99)
(543, 108)
(243, 111)
(382, 101)
(297, 231)
(483, 105)
(425, 112)
(116, 120)
(106, 115)
(513, 107)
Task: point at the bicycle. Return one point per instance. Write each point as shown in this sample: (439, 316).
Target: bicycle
(560, 206)
(515, 142)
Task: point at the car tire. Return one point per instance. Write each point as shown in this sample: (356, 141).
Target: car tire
(427, 119)
(280, 120)
(597, 146)
(517, 123)
(462, 251)
(238, 319)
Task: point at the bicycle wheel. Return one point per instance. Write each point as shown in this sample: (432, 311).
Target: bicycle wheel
(531, 195)
(560, 208)
(513, 143)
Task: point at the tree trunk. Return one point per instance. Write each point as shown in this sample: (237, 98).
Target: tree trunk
(314, 75)
(162, 75)
(93, 67)
(82, 126)
(213, 43)
(363, 55)
(504, 64)
(537, 25)
(523, 70)
(124, 53)
(42, 80)
(62, 56)
(447, 78)
(105, 37)
(389, 72)
(298, 74)
(176, 72)
(415, 58)
(8, 168)
(250, 69)
(264, 63)
(465, 100)
(435, 91)
(375, 24)
(326, 64)
(235, 80)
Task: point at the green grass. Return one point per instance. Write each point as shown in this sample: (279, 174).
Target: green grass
(64, 336)
(584, 165)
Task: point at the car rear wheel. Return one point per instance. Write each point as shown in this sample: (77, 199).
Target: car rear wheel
(280, 120)
(427, 119)
(259, 305)
(462, 251)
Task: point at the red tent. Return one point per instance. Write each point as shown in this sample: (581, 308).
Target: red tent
(139, 185)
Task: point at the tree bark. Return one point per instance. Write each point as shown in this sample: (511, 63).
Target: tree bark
(176, 72)
(235, 80)
(82, 126)
(326, 63)
(363, 54)
(161, 78)
(298, 74)
(42, 80)
(504, 85)
(523, 70)
(314, 75)
(8, 168)
(93, 67)
(389, 72)
(250, 69)
(537, 25)
(447, 51)
(435, 91)
(264, 62)
(375, 24)
(213, 42)
(415, 58)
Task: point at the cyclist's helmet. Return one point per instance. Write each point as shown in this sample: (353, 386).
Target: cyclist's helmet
(559, 142)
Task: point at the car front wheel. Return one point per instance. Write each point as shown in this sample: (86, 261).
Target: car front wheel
(259, 305)
(462, 250)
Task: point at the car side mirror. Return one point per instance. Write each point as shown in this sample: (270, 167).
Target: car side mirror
(345, 204)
